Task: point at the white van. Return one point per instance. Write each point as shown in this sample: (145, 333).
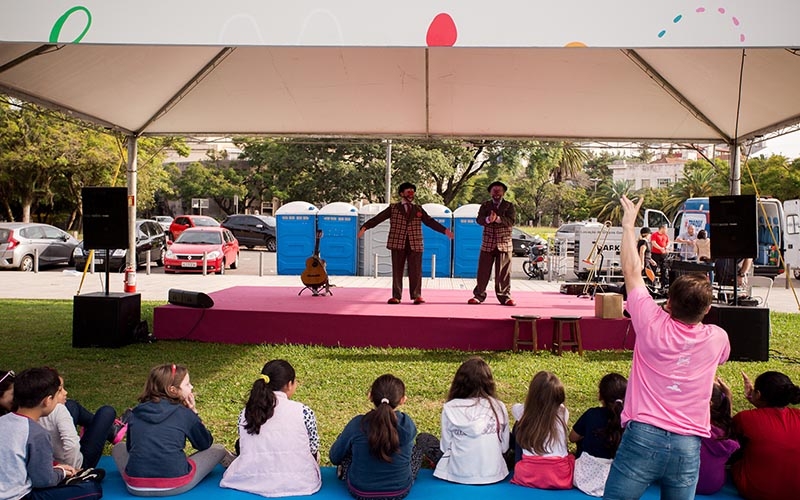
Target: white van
(791, 249)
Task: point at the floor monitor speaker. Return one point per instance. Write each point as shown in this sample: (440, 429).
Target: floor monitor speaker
(748, 330)
(190, 299)
(105, 217)
(733, 226)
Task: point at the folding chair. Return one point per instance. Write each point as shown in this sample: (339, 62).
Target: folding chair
(764, 283)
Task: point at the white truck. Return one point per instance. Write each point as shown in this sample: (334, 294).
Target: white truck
(598, 249)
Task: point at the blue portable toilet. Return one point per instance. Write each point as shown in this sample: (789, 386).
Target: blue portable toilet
(339, 224)
(374, 259)
(468, 237)
(437, 243)
(296, 226)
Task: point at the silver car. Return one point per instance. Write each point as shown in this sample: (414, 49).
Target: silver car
(164, 221)
(21, 241)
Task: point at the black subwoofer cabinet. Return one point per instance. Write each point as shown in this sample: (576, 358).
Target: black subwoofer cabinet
(748, 330)
(105, 320)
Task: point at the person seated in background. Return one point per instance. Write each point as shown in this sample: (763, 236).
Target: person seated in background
(725, 270)
(702, 246)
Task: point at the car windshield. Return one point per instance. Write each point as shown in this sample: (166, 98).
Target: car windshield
(200, 238)
(205, 222)
(267, 219)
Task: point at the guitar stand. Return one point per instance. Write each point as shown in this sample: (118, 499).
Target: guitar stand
(319, 290)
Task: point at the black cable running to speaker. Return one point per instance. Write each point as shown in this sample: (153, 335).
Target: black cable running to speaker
(191, 330)
(776, 355)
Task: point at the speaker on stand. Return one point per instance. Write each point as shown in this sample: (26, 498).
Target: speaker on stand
(734, 233)
(105, 319)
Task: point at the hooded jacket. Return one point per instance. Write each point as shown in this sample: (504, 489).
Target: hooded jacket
(157, 434)
(474, 438)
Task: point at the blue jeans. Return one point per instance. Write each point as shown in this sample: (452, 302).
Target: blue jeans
(96, 430)
(648, 454)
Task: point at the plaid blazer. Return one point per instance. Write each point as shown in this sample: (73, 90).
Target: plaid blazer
(497, 235)
(402, 226)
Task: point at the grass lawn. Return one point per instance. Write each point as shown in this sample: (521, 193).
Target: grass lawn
(333, 381)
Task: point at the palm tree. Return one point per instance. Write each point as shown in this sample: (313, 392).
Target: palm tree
(606, 201)
(696, 182)
(567, 160)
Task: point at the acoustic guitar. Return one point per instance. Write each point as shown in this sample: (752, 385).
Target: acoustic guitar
(315, 275)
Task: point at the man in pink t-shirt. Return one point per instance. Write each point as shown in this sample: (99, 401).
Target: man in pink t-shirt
(675, 361)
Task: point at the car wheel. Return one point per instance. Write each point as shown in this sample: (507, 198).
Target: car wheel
(221, 268)
(26, 264)
(160, 260)
(271, 244)
(797, 274)
(235, 263)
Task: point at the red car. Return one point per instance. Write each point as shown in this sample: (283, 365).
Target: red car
(183, 222)
(186, 253)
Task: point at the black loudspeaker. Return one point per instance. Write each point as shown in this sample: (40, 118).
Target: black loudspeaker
(733, 226)
(190, 299)
(105, 320)
(105, 217)
(748, 330)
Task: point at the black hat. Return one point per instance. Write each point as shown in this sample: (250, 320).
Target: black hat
(497, 183)
(406, 185)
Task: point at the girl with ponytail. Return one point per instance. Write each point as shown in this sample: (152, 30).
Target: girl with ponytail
(375, 452)
(278, 439)
(598, 433)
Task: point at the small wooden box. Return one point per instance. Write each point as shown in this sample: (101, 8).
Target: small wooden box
(608, 305)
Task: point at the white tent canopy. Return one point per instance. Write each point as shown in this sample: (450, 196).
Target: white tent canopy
(678, 71)
(578, 69)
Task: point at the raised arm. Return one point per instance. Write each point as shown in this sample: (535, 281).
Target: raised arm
(631, 264)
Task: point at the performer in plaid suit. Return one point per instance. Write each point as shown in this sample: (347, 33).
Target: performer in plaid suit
(497, 216)
(405, 241)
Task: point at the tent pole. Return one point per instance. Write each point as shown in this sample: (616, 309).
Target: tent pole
(132, 178)
(389, 171)
(736, 168)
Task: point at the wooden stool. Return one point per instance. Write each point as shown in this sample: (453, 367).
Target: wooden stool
(525, 318)
(573, 337)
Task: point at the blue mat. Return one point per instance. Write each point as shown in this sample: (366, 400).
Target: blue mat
(426, 487)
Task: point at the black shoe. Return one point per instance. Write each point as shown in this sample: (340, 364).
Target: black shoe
(89, 474)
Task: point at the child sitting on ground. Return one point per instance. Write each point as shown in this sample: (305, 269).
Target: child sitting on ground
(598, 433)
(86, 450)
(152, 461)
(375, 452)
(278, 439)
(768, 467)
(475, 431)
(717, 449)
(6, 391)
(541, 436)
(27, 467)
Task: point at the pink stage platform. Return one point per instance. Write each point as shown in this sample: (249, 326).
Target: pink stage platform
(360, 317)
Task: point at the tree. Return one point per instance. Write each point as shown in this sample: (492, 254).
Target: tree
(699, 179)
(773, 177)
(567, 159)
(606, 201)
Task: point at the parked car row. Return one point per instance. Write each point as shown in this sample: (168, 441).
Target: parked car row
(149, 237)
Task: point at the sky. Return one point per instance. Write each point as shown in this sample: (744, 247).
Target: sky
(787, 145)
